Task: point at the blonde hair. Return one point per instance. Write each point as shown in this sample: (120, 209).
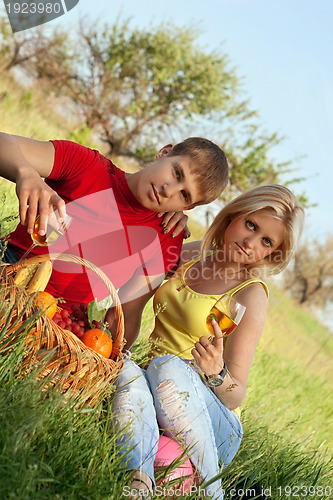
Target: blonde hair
(284, 207)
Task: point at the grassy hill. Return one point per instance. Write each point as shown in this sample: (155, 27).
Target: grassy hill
(52, 451)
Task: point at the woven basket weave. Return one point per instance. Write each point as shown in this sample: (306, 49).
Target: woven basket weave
(71, 367)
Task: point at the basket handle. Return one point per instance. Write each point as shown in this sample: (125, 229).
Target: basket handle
(89, 265)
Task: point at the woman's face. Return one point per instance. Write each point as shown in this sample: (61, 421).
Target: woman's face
(249, 238)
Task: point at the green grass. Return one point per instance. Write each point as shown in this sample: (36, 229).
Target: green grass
(61, 452)
(8, 206)
(56, 451)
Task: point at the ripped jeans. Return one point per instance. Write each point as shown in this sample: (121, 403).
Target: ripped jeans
(171, 396)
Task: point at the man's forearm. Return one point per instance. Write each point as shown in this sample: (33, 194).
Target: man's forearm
(132, 320)
(132, 329)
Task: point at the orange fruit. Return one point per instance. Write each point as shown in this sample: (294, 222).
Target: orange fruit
(47, 303)
(99, 341)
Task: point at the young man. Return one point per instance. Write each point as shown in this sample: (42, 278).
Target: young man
(114, 223)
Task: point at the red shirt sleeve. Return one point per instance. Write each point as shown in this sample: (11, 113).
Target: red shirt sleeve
(70, 160)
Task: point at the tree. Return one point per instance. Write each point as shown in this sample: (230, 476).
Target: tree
(132, 84)
(12, 49)
(311, 278)
(251, 163)
(133, 87)
(21, 49)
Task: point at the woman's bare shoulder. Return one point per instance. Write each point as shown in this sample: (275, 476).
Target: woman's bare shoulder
(253, 295)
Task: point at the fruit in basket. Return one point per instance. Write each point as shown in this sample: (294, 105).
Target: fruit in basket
(77, 319)
(47, 303)
(65, 320)
(35, 277)
(41, 277)
(23, 276)
(98, 340)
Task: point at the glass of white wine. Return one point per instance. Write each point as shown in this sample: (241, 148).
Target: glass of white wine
(227, 312)
(54, 231)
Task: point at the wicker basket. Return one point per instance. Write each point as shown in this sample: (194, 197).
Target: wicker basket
(71, 367)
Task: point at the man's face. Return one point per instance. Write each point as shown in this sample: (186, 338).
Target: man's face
(167, 185)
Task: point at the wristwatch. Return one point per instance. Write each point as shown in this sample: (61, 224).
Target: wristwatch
(216, 380)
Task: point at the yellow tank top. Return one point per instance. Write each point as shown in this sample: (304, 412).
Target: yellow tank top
(180, 314)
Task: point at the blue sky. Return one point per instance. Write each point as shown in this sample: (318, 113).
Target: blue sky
(283, 52)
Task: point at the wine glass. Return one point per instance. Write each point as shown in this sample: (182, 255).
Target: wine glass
(227, 312)
(54, 231)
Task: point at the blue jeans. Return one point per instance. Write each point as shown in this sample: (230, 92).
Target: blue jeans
(171, 396)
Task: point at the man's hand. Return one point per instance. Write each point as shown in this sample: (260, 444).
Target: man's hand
(209, 355)
(27, 162)
(36, 197)
(176, 220)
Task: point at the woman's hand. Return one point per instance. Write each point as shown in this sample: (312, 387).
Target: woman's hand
(176, 220)
(37, 198)
(209, 355)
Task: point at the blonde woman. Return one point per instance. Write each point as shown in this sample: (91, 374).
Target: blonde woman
(252, 237)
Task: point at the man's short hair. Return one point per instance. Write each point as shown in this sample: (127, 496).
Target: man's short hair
(209, 166)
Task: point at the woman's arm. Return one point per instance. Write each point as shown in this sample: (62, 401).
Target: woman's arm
(190, 251)
(25, 161)
(239, 348)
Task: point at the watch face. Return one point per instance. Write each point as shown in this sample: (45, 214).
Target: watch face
(215, 381)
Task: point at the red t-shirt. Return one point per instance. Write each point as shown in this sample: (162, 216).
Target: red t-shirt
(109, 227)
